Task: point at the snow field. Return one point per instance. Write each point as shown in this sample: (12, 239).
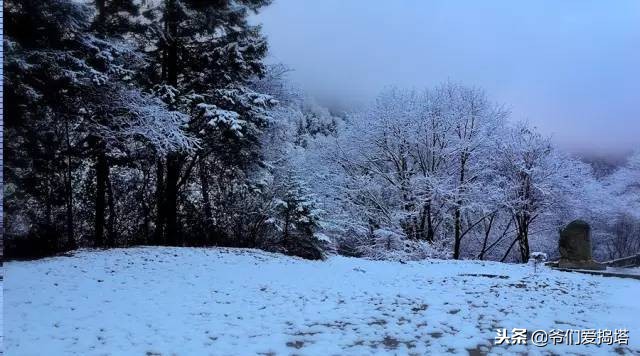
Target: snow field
(190, 301)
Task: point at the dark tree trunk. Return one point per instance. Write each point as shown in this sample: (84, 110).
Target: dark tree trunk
(430, 230)
(523, 220)
(158, 234)
(487, 233)
(171, 199)
(523, 238)
(102, 171)
(505, 232)
(506, 254)
(171, 55)
(111, 225)
(421, 224)
(206, 201)
(171, 76)
(457, 221)
(48, 211)
(71, 242)
(101, 166)
(285, 232)
(146, 209)
(51, 235)
(456, 245)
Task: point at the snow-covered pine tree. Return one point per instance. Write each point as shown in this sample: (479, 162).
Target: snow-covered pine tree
(296, 218)
(45, 74)
(73, 96)
(206, 53)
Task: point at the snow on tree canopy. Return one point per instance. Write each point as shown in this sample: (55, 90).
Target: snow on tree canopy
(227, 118)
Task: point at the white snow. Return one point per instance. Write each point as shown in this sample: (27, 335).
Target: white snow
(219, 116)
(190, 301)
(1, 308)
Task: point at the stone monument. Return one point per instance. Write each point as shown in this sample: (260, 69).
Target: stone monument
(575, 247)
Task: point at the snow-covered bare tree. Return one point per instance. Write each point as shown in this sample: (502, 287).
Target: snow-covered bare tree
(537, 181)
(621, 216)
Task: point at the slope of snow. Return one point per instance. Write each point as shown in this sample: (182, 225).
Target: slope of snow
(189, 301)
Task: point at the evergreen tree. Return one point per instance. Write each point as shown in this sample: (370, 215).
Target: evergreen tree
(207, 53)
(45, 74)
(297, 218)
(73, 97)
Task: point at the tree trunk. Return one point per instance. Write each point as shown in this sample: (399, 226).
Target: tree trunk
(421, 224)
(457, 222)
(158, 234)
(111, 224)
(206, 201)
(71, 242)
(146, 209)
(506, 254)
(505, 232)
(430, 229)
(456, 245)
(523, 238)
(487, 232)
(285, 232)
(48, 211)
(171, 77)
(102, 171)
(171, 55)
(171, 199)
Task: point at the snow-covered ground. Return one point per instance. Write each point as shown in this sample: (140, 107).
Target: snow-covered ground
(189, 301)
(1, 308)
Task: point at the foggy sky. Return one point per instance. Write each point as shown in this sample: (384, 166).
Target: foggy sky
(571, 68)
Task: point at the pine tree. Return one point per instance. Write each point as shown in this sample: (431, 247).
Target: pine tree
(44, 75)
(297, 218)
(73, 96)
(207, 53)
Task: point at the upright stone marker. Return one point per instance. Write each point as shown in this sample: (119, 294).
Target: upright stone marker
(575, 247)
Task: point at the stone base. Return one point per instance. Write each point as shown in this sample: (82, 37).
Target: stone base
(585, 264)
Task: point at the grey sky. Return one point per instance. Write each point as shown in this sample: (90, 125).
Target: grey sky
(570, 67)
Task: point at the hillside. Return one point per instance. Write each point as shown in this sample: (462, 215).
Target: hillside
(189, 301)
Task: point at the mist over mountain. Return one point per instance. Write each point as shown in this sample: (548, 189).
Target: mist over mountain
(568, 68)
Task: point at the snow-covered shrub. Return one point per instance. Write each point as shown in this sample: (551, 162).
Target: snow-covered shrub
(387, 240)
(349, 242)
(394, 246)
